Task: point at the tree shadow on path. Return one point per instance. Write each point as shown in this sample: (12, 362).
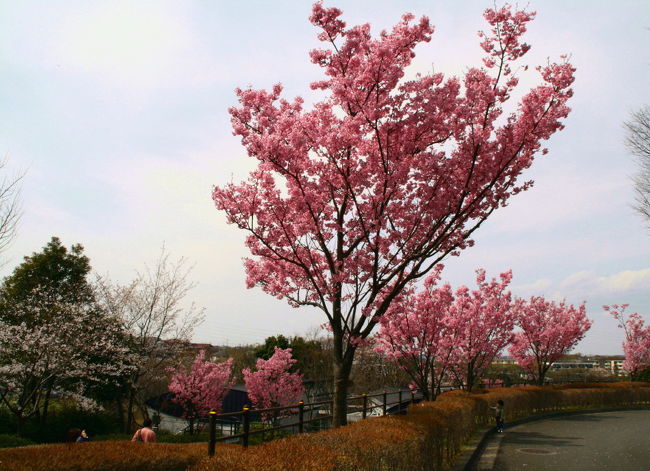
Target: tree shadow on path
(523, 439)
(587, 418)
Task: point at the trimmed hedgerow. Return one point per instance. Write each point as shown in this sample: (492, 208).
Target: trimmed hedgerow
(102, 456)
(430, 436)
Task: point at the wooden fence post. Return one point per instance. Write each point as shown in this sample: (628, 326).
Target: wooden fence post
(399, 405)
(245, 425)
(301, 416)
(384, 408)
(213, 432)
(365, 406)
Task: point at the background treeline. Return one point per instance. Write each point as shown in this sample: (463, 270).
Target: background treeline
(82, 351)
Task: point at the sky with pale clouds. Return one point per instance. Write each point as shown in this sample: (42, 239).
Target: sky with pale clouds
(117, 111)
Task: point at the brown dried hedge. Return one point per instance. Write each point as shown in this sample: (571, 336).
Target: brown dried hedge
(430, 436)
(102, 456)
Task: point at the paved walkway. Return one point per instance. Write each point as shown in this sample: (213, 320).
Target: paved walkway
(618, 441)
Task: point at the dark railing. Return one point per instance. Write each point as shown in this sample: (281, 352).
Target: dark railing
(322, 411)
(300, 410)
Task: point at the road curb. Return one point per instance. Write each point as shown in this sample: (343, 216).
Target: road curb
(468, 459)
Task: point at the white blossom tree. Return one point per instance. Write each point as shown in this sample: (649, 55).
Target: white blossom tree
(78, 347)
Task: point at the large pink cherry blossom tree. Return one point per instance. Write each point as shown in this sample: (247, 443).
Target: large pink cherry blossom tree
(272, 385)
(548, 331)
(383, 178)
(480, 325)
(636, 345)
(202, 388)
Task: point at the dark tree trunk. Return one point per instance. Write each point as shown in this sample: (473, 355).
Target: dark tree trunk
(541, 373)
(341, 386)
(129, 411)
(470, 379)
(119, 409)
(435, 390)
(46, 405)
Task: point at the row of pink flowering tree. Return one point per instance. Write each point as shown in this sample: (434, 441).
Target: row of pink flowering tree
(204, 385)
(636, 345)
(548, 330)
(368, 191)
(436, 333)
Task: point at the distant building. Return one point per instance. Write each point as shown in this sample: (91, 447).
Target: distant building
(504, 360)
(615, 367)
(566, 365)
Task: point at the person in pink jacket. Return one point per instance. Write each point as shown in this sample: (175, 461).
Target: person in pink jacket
(145, 434)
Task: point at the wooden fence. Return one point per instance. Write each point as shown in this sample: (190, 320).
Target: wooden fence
(323, 411)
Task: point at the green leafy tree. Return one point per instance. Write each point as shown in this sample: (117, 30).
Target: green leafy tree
(267, 350)
(56, 274)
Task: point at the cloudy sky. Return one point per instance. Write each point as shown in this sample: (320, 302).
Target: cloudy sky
(117, 112)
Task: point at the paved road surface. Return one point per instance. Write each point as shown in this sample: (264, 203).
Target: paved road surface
(617, 441)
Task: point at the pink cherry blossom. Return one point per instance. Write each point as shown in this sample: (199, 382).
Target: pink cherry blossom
(438, 333)
(413, 334)
(479, 325)
(367, 190)
(202, 388)
(272, 385)
(636, 345)
(549, 330)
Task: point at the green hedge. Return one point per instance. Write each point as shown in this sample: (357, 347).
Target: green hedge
(61, 418)
(9, 441)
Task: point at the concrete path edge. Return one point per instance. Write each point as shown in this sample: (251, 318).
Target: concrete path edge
(468, 459)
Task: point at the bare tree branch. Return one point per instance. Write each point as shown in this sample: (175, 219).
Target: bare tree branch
(153, 311)
(638, 142)
(10, 207)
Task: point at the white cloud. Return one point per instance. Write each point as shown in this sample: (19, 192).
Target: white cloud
(627, 280)
(538, 286)
(587, 284)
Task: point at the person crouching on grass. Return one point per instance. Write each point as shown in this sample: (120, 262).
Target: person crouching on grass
(498, 415)
(145, 434)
